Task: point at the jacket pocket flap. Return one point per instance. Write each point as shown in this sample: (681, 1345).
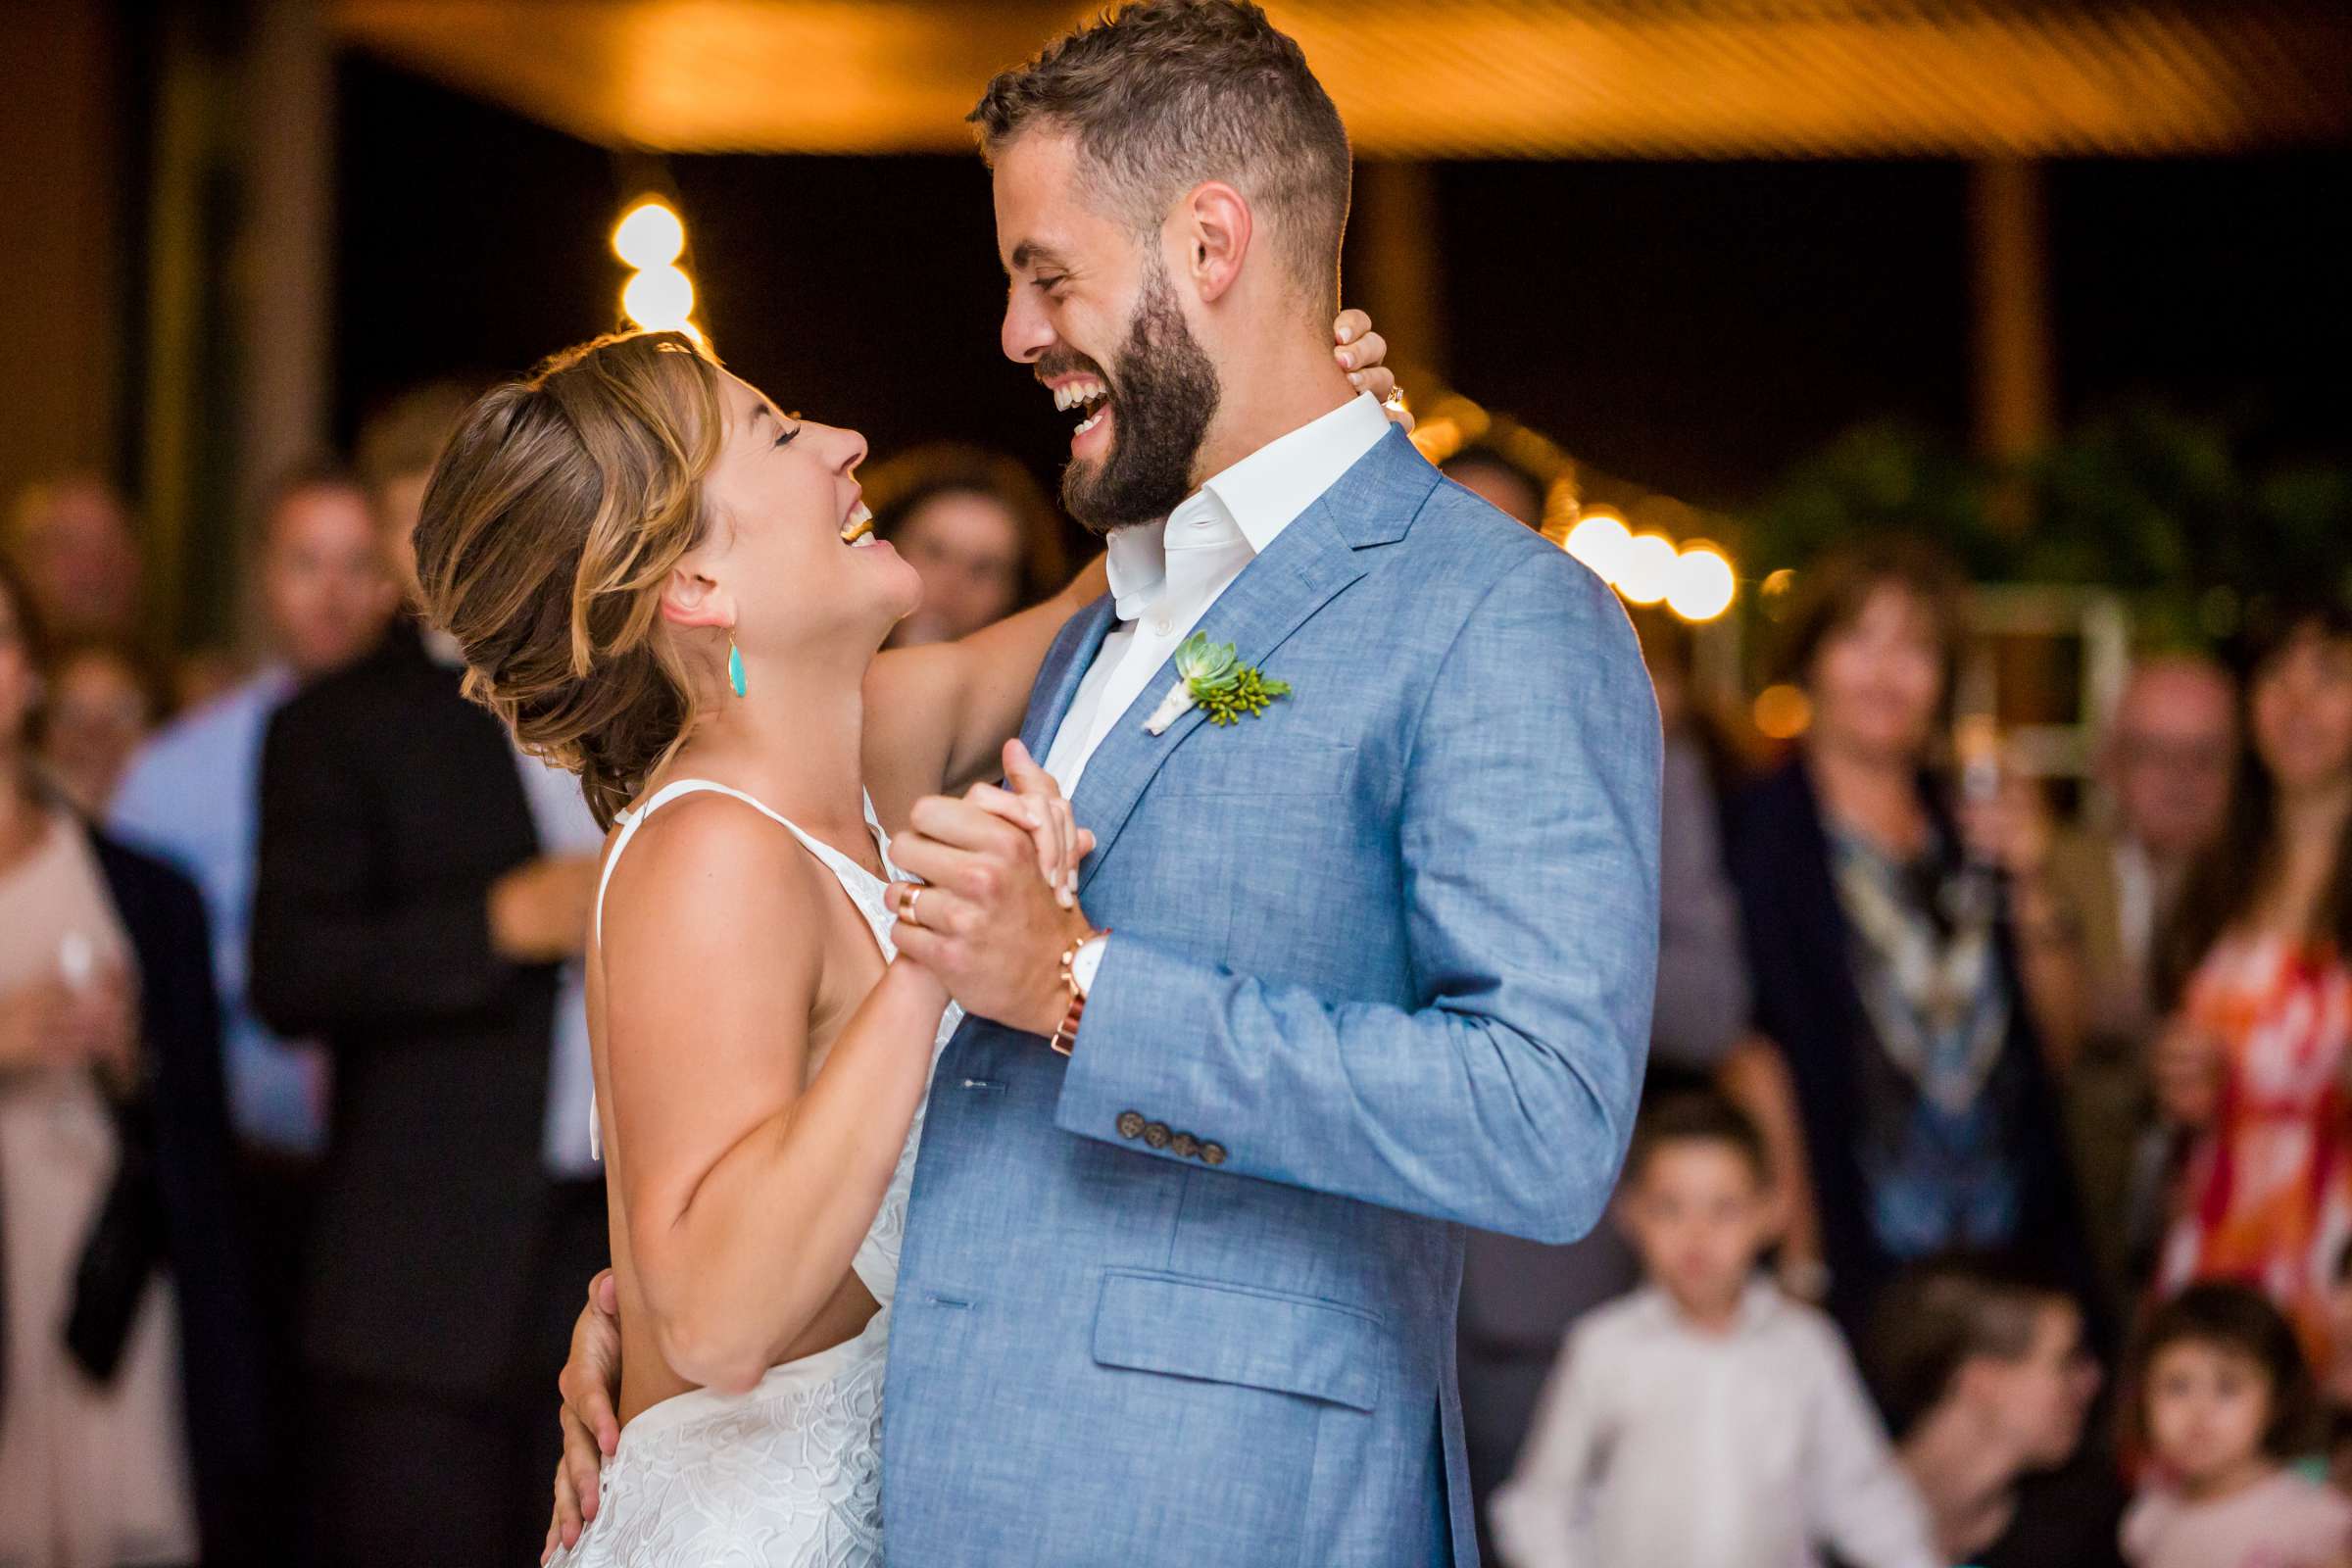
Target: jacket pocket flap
(1259, 1338)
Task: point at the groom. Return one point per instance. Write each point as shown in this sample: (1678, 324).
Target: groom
(1350, 973)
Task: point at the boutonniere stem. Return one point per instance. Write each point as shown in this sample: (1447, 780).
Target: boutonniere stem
(1212, 675)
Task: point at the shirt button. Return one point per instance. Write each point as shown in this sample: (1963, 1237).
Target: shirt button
(1163, 625)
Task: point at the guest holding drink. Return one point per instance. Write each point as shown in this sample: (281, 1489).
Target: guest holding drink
(131, 1426)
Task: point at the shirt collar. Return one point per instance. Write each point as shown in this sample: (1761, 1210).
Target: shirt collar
(1260, 495)
(1138, 564)
(1760, 1301)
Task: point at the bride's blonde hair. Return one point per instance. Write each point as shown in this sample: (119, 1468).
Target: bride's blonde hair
(551, 520)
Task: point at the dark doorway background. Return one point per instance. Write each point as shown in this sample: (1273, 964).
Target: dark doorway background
(1692, 326)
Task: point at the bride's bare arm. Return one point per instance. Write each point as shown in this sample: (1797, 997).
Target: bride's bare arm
(748, 1185)
(937, 716)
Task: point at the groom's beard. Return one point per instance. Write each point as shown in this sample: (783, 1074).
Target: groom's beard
(1163, 394)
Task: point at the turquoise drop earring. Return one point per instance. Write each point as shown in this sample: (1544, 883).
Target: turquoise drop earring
(734, 666)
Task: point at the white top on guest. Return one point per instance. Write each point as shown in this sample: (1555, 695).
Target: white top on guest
(1165, 575)
(1662, 1444)
(2282, 1521)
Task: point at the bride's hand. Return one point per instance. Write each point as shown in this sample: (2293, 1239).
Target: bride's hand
(1035, 805)
(1363, 354)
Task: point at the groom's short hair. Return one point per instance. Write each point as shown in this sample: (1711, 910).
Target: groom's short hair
(1167, 94)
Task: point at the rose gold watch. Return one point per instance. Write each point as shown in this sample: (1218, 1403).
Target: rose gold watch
(1065, 1035)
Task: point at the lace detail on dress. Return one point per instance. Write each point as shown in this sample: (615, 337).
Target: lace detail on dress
(789, 1475)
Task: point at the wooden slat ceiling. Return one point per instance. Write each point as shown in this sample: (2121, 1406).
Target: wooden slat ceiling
(1643, 79)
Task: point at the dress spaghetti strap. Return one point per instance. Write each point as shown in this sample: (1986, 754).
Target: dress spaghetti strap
(863, 886)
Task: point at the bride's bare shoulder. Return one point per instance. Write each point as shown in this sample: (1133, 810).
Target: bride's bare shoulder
(707, 875)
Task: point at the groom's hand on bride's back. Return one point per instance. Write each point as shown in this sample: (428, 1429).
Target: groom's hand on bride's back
(985, 922)
(591, 1387)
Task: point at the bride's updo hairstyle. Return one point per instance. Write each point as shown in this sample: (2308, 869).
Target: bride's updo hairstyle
(552, 521)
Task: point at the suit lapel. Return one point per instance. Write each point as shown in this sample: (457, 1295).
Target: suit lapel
(1065, 668)
(1301, 572)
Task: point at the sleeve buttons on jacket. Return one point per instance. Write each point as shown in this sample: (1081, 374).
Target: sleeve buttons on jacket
(1212, 1153)
(1131, 1124)
(1156, 1135)
(1184, 1144)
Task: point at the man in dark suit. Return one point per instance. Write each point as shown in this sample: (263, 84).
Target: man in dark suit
(417, 903)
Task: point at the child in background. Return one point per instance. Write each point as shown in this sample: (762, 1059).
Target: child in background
(2225, 1405)
(1981, 1366)
(1705, 1421)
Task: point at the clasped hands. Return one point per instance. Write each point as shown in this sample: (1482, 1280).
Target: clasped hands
(983, 920)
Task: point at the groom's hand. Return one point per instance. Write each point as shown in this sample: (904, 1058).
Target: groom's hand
(986, 923)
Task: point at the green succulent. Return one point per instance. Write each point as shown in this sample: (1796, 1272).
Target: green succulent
(1221, 685)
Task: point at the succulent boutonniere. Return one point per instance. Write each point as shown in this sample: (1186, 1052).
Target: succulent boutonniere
(1212, 675)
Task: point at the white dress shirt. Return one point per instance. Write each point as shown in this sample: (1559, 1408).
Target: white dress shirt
(1660, 1445)
(565, 827)
(1165, 575)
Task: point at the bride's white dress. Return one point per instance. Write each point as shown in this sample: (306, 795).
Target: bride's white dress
(789, 1475)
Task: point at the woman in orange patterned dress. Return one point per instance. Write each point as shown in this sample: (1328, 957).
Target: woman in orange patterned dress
(2256, 1064)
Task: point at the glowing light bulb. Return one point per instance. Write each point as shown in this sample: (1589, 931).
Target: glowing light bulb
(1600, 541)
(659, 299)
(1782, 713)
(650, 236)
(1649, 571)
(1702, 585)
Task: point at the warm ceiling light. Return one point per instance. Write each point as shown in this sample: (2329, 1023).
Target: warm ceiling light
(1600, 541)
(1702, 583)
(650, 236)
(1782, 713)
(1649, 571)
(659, 299)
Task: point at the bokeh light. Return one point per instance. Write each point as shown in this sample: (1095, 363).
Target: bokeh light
(650, 236)
(1701, 584)
(659, 299)
(1600, 541)
(1782, 713)
(1649, 571)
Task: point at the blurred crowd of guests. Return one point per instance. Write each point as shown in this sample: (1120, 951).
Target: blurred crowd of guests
(1957, 1103)
(1991, 1100)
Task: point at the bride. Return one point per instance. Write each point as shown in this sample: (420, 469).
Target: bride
(665, 583)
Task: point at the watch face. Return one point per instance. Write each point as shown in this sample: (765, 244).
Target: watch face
(1085, 961)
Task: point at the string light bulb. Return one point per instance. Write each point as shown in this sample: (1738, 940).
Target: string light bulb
(1601, 540)
(659, 299)
(1647, 574)
(1702, 585)
(1782, 713)
(651, 235)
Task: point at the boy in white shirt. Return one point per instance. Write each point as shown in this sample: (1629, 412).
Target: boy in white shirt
(1705, 1421)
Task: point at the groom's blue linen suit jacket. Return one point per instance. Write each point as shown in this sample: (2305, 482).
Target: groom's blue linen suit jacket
(1381, 969)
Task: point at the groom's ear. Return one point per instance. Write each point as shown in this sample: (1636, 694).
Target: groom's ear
(1218, 228)
(690, 599)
